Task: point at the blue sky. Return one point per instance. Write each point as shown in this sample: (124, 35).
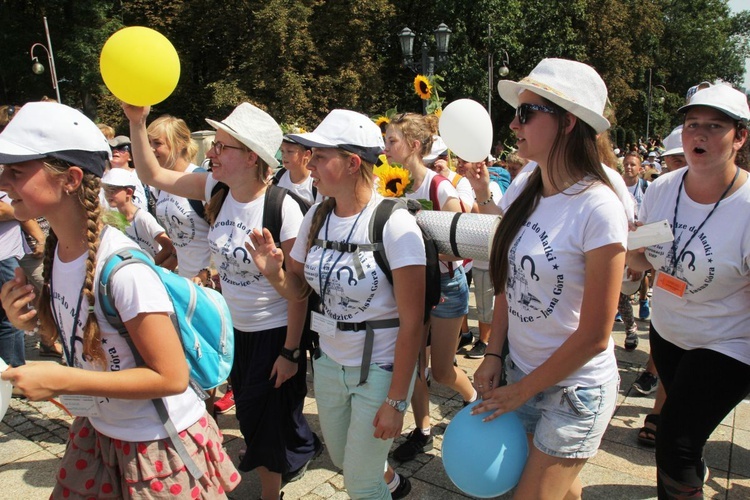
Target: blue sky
(736, 6)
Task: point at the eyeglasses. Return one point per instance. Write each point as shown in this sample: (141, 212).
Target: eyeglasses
(218, 147)
(522, 111)
(124, 148)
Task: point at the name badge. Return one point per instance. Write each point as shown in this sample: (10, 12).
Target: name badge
(323, 324)
(671, 284)
(80, 406)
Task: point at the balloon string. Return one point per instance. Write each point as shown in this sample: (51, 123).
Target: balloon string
(59, 405)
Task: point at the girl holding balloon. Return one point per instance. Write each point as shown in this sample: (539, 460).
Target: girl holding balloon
(556, 265)
(269, 373)
(53, 158)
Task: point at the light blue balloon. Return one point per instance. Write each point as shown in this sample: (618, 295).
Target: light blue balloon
(484, 459)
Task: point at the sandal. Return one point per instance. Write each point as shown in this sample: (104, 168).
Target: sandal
(631, 341)
(647, 435)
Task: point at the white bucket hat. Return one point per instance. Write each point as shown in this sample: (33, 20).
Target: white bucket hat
(574, 86)
(254, 128)
(348, 130)
(673, 143)
(722, 97)
(49, 129)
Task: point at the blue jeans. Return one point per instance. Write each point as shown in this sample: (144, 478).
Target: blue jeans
(12, 348)
(346, 413)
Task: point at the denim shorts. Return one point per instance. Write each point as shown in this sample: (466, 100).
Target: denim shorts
(567, 422)
(454, 295)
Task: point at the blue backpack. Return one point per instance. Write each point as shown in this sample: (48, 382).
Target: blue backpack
(499, 176)
(201, 318)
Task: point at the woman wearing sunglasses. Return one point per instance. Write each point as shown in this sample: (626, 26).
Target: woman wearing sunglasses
(556, 265)
(269, 374)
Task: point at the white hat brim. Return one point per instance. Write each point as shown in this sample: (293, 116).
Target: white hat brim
(270, 159)
(510, 90)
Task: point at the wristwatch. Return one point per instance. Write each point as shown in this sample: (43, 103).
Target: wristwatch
(290, 354)
(398, 404)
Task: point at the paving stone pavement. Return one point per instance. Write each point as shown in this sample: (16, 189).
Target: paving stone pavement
(32, 437)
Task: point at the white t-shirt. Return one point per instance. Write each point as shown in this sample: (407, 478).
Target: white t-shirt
(11, 236)
(143, 230)
(636, 191)
(187, 230)
(547, 273)
(714, 312)
(304, 189)
(348, 297)
(134, 291)
(254, 303)
(445, 191)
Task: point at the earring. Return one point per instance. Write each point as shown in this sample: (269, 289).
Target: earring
(67, 193)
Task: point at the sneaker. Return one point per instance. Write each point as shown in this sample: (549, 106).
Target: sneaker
(415, 443)
(465, 339)
(631, 341)
(618, 318)
(645, 383)
(226, 402)
(296, 475)
(403, 488)
(477, 352)
(645, 310)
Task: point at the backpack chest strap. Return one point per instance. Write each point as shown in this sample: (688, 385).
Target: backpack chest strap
(341, 246)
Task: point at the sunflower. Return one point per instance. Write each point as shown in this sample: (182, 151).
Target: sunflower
(393, 181)
(438, 112)
(382, 122)
(422, 87)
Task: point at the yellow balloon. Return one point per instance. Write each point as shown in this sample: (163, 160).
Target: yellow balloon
(139, 66)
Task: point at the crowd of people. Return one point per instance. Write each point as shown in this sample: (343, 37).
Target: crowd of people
(558, 275)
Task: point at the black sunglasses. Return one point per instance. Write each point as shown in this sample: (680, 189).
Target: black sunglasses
(124, 147)
(522, 111)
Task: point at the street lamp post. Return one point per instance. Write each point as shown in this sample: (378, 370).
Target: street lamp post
(502, 71)
(428, 63)
(38, 68)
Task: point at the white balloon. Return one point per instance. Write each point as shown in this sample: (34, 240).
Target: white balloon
(466, 128)
(6, 391)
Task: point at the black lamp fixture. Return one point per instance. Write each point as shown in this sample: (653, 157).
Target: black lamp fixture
(427, 64)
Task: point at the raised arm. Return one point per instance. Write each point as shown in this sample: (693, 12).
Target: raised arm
(187, 185)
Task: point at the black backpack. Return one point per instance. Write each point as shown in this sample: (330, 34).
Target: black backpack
(432, 271)
(272, 219)
(280, 173)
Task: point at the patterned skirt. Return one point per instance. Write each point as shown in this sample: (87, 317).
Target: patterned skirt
(97, 466)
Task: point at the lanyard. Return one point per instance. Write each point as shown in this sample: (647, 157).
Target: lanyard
(675, 256)
(324, 284)
(70, 354)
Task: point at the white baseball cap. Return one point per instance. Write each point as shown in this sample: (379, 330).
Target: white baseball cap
(438, 148)
(119, 177)
(347, 130)
(254, 128)
(673, 143)
(52, 130)
(722, 97)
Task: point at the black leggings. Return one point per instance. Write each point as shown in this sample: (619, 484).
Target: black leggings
(702, 387)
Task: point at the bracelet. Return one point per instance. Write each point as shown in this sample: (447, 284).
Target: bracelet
(493, 354)
(485, 202)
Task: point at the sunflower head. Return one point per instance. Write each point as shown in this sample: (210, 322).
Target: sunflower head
(422, 87)
(393, 181)
(382, 122)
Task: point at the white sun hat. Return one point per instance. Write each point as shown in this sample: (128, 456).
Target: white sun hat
(52, 130)
(574, 86)
(722, 97)
(254, 128)
(347, 130)
(673, 143)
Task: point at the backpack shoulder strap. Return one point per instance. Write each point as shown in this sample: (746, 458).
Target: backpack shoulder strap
(278, 175)
(456, 179)
(272, 211)
(377, 224)
(434, 198)
(644, 185)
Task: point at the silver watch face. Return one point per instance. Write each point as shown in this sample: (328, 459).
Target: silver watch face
(398, 405)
